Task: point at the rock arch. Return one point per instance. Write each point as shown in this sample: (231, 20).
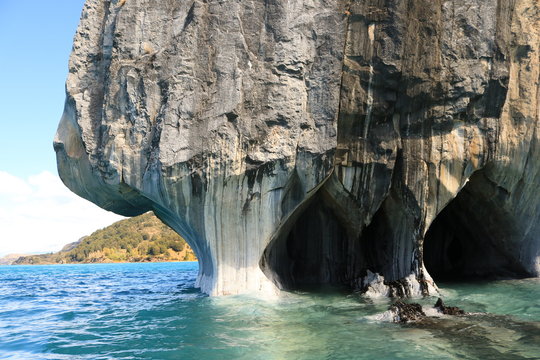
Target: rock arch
(330, 241)
(317, 246)
(472, 236)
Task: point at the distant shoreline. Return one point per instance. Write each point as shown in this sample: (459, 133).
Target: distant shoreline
(105, 263)
(139, 239)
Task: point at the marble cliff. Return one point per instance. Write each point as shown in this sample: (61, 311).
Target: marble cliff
(375, 144)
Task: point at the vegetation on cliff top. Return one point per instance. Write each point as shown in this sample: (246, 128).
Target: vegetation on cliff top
(139, 239)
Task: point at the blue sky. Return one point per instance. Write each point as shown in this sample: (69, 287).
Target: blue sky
(36, 38)
(37, 213)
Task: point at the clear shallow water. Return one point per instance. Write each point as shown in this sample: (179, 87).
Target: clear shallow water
(153, 311)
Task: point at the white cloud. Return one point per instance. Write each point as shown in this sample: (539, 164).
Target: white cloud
(40, 214)
(12, 186)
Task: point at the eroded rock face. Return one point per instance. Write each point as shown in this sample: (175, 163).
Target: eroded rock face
(300, 143)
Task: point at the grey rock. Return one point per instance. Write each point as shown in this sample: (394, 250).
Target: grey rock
(292, 144)
(406, 313)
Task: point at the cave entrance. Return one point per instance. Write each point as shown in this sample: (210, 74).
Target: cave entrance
(470, 238)
(315, 250)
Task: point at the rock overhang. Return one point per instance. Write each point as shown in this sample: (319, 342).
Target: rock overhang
(349, 125)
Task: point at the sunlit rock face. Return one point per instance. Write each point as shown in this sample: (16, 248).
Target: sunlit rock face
(296, 144)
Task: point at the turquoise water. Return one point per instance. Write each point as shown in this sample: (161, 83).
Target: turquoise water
(153, 311)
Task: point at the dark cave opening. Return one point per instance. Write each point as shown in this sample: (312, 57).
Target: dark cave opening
(324, 245)
(469, 239)
(314, 251)
(449, 245)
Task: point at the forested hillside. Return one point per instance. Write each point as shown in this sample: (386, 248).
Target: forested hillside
(138, 239)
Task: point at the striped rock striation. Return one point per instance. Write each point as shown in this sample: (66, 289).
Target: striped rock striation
(293, 144)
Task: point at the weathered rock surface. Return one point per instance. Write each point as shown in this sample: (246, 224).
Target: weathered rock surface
(297, 143)
(402, 312)
(448, 310)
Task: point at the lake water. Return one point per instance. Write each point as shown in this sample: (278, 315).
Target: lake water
(153, 311)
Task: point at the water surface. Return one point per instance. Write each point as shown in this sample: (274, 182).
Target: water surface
(153, 311)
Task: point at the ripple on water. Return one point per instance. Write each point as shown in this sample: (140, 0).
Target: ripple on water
(154, 311)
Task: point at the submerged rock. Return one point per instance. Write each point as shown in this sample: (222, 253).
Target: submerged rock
(404, 312)
(364, 144)
(476, 336)
(448, 310)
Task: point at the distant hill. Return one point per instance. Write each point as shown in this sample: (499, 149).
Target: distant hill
(142, 238)
(9, 259)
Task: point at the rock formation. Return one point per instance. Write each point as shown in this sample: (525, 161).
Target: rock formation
(402, 312)
(299, 143)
